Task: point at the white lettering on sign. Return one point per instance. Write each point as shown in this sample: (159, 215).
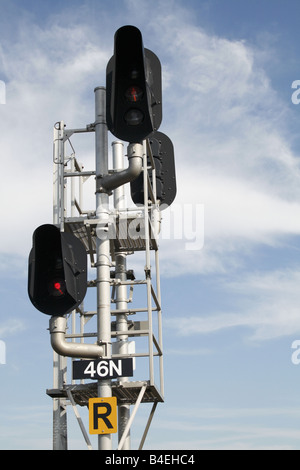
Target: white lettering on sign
(103, 369)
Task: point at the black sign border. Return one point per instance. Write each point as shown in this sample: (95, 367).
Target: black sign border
(80, 366)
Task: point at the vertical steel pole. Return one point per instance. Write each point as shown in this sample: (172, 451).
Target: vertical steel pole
(148, 266)
(60, 438)
(103, 249)
(121, 295)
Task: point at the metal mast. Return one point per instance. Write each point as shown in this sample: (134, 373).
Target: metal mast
(133, 230)
(121, 293)
(102, 249)
(60, 438)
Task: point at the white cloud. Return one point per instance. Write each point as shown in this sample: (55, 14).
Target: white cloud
(230, 133)
(51, 74)
(230, 428)
(11, 327)
(236, 208)
(219, 110)
(268, 306)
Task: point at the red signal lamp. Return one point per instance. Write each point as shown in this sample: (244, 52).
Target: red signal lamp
(57, 288)
(134, 94)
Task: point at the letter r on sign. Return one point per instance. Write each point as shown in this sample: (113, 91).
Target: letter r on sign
(103, 415)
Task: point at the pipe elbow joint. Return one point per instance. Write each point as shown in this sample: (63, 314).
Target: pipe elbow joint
(62, 347)
(135, 157)
(108, 183)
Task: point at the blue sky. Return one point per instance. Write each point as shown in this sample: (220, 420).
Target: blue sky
(231, 307)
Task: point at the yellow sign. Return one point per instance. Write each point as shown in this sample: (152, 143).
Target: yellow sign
(103, 415)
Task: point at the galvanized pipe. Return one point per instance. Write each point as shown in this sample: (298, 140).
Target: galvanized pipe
(60, 434)
(135, 165)
(58, 326)
(102, 249)
(120, 275)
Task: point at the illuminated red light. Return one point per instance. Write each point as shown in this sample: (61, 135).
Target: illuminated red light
(58, 288)
(134, 94)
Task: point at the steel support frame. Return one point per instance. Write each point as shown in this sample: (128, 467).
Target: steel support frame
(103, 263)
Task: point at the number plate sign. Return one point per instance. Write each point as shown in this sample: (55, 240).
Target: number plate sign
(103, 369)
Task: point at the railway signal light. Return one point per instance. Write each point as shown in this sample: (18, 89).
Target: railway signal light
(163, 156)
(57, 274)
(133, 88)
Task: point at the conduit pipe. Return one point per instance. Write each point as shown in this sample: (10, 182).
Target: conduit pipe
(135, 165)
(58, 326)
